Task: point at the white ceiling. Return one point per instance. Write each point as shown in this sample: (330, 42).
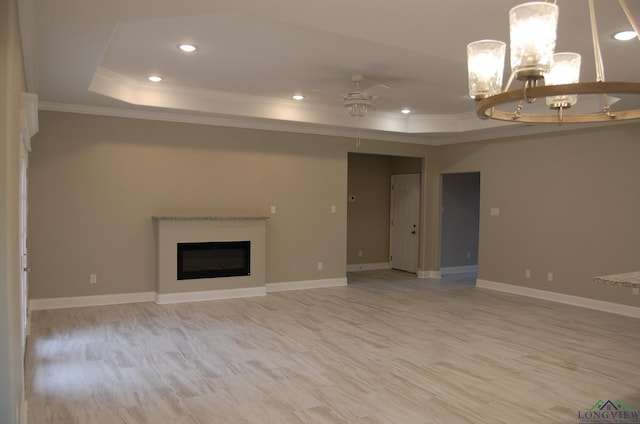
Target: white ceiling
(253, 55)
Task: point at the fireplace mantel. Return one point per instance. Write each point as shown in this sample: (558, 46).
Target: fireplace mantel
(211, 218)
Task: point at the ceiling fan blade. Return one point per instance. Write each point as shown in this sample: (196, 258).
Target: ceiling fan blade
(377, 88)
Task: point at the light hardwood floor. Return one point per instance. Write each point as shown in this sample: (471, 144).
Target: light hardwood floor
(389, 348)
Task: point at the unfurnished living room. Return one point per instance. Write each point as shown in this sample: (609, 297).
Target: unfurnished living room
(319, 212)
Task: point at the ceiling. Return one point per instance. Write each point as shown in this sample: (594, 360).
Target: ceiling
(253, 55)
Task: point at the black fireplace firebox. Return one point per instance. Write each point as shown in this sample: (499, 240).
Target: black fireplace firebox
(214, 259)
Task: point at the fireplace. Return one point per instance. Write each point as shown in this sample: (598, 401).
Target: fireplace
(213, 259)
(201, 238)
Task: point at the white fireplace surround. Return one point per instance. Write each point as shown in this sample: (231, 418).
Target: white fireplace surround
(171, 230)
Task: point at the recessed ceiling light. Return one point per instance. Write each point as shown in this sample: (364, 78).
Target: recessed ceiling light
(406, 110)
(624, 35)
(187, 48)
(155, 78)
(298, 97)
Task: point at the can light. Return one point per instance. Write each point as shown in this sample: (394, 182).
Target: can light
(187, 48)
(297, 97)
(154, 78)
(625, 35)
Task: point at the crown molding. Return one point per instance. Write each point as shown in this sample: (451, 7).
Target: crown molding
(143, 93)
(427, 139)
(237, 122)
(29, 125)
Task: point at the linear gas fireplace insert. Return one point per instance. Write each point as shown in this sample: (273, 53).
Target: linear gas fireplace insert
(214, 259)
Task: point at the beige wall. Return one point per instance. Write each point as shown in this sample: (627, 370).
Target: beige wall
(368, 216)
(11, 84)
(96, 181)
(405, 165)
(569, 204)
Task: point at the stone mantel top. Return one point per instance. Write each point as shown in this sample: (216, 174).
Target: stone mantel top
(210, 218)
(630, 279)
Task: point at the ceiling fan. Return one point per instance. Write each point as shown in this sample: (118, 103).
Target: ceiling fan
(358, 100)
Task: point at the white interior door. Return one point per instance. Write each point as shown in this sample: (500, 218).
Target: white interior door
(405, 213)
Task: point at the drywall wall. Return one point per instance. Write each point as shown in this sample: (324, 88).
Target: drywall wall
(11, 85)
(96, 181)
(405, 165)
(369, 182)
(460, 219)
(568, 204)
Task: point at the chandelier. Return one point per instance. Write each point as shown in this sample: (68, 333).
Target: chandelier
(543, 72)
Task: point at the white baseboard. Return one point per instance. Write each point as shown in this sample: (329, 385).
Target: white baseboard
(368, 267)
(458, 269)
(200, 296)
(164, 299)
(99, 300)
(428, 274)
(311, 284)
(600, 305)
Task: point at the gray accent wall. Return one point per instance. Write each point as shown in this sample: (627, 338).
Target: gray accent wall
(460, 219)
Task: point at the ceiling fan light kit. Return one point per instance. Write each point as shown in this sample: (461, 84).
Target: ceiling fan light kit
(543, 73)
(357, 108)
(357, 101)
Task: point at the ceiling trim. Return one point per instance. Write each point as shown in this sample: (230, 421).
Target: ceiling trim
(432, 139)
(143, 93)
(235, 122)
(129, 90)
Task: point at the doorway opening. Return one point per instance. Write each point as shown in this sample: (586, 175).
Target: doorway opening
(460, 224)
(369, 209)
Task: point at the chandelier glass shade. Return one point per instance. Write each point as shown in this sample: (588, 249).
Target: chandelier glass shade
(533, 37)
(565, 69)
(486, 59)
(543, 72)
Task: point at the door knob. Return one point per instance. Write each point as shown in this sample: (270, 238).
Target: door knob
(413, 232)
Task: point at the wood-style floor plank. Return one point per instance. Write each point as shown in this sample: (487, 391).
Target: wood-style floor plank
(386, 349)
